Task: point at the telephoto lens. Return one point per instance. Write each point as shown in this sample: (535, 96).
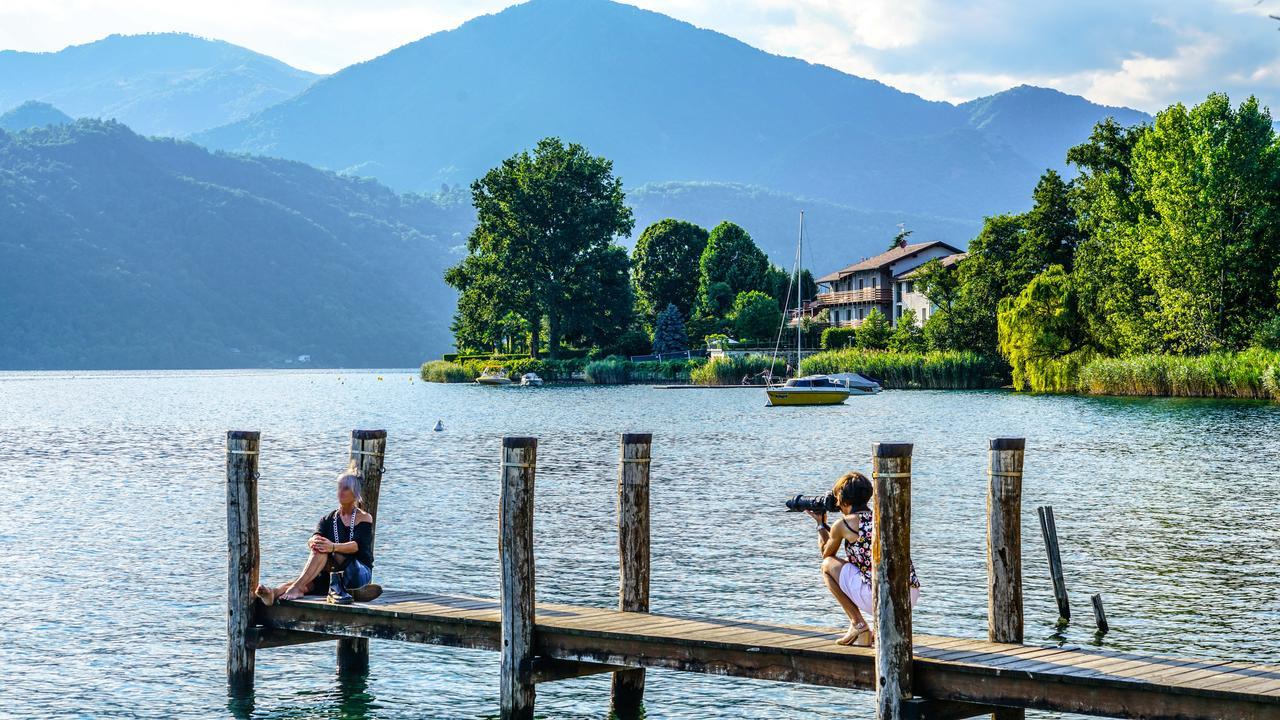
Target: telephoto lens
(814, 503)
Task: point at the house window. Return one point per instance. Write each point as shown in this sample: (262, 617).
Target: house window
(911, 286)
(859, 283)
(875, 282)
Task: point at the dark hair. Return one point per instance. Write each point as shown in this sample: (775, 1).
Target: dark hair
(853, 489)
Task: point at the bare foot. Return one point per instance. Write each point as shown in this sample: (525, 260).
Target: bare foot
(855, 631)
(265, 594)
(292, 593)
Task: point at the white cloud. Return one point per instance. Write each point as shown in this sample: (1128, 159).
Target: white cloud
(1141, 53)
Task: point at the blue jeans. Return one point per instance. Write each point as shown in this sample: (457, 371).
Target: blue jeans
(356, 574)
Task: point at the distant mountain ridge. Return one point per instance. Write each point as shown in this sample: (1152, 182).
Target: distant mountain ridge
(158, 84)
(33, 114)
(118, 251)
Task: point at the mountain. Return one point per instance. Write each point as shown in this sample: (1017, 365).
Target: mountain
(33, 114)
(158, 84)
(666, 101)
(118, 251)
(1041, 124)
(835, 235)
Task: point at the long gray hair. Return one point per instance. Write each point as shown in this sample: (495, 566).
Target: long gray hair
(353, 480)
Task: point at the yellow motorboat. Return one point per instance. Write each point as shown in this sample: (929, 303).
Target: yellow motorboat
(812, 390)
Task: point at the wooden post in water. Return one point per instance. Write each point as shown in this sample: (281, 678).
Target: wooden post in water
(890, 586)
(242, 554)
(515, 549)
(367, 449)
(1099, 615)
(1050, 531)
(633, 557)
(1004, 549)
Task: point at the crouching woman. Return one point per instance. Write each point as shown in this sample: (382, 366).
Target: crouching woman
(849, 580)
(341, 553)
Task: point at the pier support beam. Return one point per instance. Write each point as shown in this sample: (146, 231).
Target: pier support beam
(1004, 549)
(890, 586)
(1049, 528)
(242, 555)
(367, 449)
(515, 549)
(633, 558)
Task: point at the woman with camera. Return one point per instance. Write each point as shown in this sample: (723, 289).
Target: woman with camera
(849, 580)
(340, 553)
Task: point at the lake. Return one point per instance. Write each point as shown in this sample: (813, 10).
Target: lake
(116, 528)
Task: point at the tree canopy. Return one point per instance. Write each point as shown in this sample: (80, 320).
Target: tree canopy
(665, 266)
(755, 315)
(730, 258)
(669, 333)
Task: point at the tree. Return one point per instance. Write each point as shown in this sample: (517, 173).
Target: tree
(755, 315)
(1052, 233)
(669, 333)
(939, 283)
(732, 258)
(900, 239)
(907, 337)
(665, 266)
(543, 244)
(602, 308)
(1041, 334)
(782, 287)
(874, 332)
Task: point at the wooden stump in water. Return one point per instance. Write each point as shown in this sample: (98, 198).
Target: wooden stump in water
(367, 450)
(891, 582)
(1049, 528)
(1004, 548)
(242, 554)
(515, 549)
(633, 557)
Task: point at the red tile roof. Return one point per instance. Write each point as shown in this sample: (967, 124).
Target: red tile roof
(885, 258)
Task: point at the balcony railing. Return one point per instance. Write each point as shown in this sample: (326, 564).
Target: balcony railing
(866, 295)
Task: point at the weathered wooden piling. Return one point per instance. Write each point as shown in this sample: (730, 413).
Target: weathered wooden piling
(242, 554)
(890, 587)
(1099, 615)
(633, 557)
(1049, 529)
(367, 450)
(515, 549)
(1004, 548)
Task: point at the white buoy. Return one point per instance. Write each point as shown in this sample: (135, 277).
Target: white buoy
(439, 425)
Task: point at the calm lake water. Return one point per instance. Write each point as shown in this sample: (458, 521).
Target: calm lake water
(116, 544)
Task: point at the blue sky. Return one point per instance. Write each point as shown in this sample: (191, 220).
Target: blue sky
(1140, 53)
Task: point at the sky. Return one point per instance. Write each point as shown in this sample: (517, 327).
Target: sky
(1144, 54)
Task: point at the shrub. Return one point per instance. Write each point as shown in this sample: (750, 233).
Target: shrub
(873, 333)
(908, 336)
(730, 370)
(443, 371)
(938, 370)
(755, 315)
(835, 338)
(1268, 334)
(1271, 380)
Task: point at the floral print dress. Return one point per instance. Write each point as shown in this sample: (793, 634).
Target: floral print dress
(859, 549)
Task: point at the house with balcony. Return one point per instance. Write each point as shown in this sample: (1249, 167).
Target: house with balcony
(907, 297)
(881, 282)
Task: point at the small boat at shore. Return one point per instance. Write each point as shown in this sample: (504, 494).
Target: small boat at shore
(811, 390)
(530, 380)
(856, 384)
(494, 376)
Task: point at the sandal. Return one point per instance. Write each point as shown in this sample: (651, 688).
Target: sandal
(854, 636)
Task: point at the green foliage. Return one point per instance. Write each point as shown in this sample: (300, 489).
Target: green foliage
(1267, 336)
(700, 327)
(668, 333)
(730, 370)
(874, 332)
(907, 337)
(730, 258)
(543, 248)
(1041, 333)
(938, 283)
(443, 371)
(1247, 374)
(610, 371)
(665, 266)
(755, 316)
(938, 370)
(782, 286)
(834, 338)
(632, 342)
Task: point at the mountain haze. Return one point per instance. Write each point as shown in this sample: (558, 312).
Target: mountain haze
(33, 114)
(118, 251)
(158, 84)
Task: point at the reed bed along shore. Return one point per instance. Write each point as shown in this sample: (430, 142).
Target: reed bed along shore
(1253, 373)
(936, 370)
(606, 371)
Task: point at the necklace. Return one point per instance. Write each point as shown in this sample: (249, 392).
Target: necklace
(351, 530)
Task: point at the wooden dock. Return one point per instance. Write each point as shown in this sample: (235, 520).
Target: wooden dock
(914, 676)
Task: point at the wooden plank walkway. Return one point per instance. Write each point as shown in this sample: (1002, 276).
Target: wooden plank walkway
(1094, 681)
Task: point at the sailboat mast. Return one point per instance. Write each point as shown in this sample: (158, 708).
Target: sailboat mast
(799, 292)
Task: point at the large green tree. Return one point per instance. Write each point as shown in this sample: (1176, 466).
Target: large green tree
(543, 247)
(1041, 333)
(732, 260)
(755, 316)
(664, 267)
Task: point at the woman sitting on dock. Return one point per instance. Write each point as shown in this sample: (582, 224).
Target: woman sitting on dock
(341, 553)
(850, 580)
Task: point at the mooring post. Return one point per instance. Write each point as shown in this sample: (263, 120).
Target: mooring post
(242, 554)
(1050, 531)
(633, 557)
(890, 586)
(1004, 548)
(367, 449)
(1099, 615)
(515, 549)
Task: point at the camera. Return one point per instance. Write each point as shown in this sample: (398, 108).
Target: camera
(814, 503)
